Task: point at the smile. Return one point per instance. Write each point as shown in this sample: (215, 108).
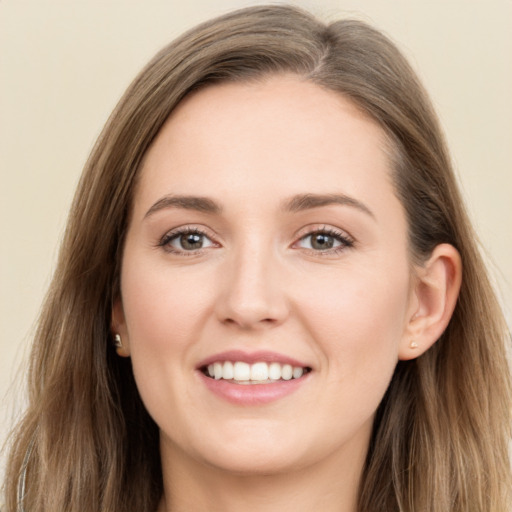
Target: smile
(253, 378)
(260, 372)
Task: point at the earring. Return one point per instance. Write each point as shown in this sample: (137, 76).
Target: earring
(117, 341)
(413, 344)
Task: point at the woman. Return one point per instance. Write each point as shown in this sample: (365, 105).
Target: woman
(269, 294)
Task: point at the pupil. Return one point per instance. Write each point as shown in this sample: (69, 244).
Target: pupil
(322, 242)
(191, 241)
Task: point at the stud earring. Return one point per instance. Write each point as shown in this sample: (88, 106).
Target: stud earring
(117, 341)
(413, 344)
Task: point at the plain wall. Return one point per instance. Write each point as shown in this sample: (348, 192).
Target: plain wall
(64, 65)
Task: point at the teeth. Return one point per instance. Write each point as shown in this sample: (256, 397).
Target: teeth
(228, 370)
(286, 372)
(217, 371)
(241, 371)
(259, 371)
(274, 371)
(297, 372)
(245, 373)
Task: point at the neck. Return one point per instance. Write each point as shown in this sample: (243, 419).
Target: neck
(192, 486)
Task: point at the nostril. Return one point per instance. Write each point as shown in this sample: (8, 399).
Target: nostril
(244, 322)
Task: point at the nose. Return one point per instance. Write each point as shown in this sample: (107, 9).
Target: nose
(253, 295)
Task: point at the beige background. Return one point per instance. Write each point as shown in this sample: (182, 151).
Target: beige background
(63, 66)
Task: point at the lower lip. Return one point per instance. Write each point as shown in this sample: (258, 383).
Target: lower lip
(253, 394)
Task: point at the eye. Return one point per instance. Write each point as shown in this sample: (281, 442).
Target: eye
(325, 240)
(186, 240)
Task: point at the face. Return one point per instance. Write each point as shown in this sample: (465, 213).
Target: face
(265, 284)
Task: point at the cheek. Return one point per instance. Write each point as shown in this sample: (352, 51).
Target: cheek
(357, 326)
(162, 308)
(163, 312)
(358, 320)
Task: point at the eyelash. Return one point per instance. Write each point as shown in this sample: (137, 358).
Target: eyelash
(176, 233)
(345, 241)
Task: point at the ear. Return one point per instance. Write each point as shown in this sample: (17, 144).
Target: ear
(118, 326)
(433, 299)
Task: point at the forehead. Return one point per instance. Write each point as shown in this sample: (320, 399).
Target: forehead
(281, 135)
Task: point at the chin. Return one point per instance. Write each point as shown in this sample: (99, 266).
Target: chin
(255, 464)
(260, 452)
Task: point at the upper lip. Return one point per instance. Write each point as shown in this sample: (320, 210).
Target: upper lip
(251, 357)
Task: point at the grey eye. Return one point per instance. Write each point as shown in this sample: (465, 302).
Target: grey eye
(189, 241)
(323, 241)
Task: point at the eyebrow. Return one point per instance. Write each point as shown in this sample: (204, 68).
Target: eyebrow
(308, 201)
(297, 203)
(200, 204)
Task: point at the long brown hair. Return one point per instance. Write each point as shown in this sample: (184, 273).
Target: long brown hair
(441, 434)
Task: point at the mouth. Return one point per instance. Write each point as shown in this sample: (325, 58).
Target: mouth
(253, 378)
(259, 372)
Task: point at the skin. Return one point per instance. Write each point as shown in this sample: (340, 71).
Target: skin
(258, 284)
